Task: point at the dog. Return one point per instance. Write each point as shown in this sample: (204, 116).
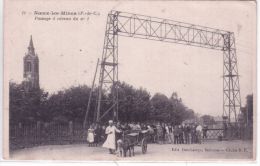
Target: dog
(125, 146)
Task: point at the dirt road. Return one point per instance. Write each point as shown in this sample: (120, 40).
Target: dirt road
(213, 150)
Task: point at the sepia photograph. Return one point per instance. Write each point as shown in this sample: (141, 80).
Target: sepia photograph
(129, 80)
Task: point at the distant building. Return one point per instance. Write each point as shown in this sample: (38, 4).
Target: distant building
(195, 120)
(31, 68)
(218, 122)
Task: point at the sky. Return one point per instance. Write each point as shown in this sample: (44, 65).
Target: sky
(68, 50)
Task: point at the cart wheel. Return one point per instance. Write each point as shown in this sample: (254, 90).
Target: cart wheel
(144, 145)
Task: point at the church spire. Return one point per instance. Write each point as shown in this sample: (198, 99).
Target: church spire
(31, 68)
(31, 48)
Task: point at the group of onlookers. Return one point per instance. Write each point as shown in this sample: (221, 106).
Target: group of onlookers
(178, 134)
(156, 132)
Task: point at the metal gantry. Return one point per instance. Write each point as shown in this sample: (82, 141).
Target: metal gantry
(164, 30)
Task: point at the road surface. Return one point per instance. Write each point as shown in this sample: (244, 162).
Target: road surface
(212, 150)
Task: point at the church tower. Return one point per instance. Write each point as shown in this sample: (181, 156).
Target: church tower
(31, 68)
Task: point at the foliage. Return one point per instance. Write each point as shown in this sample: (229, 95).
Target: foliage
(25, 106)
(71, 105)
(134, 104)
(248, 109)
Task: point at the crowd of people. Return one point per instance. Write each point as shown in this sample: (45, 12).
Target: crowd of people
(177, 134)
(161, 133)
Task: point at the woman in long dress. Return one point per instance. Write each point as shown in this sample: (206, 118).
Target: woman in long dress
(91, 135)
(110, 142)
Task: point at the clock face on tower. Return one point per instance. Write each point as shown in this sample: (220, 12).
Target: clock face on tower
(29, 75)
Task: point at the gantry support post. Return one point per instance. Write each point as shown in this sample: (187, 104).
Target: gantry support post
(109, 67)
(231, 89)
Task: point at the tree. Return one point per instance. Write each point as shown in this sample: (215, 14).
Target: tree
(248, 110)
(25, 105)
(180, 111)
(161, 108)
(71, 105)
(134, 104)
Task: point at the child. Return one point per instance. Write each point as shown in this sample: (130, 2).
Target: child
(91, 135)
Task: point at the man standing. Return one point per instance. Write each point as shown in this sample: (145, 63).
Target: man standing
(193, 134)
(110, 142)
(181, 140)
(159, 133)
(198, 133)
(119, 135)
(168, 134)
(186, 134)
(176, 135)
(204, 131)
(98, 132)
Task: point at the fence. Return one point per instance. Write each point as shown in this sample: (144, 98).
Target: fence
(213, 134)
(231, 133)
(24, 136)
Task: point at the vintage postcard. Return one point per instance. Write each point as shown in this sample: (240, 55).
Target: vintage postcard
(130, 80)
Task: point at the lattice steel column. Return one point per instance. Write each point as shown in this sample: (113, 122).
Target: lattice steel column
(231, 90)
(109, 68)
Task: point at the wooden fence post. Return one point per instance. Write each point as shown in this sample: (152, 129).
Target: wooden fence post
(20, 135)
(70, 136)
(38, 132)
